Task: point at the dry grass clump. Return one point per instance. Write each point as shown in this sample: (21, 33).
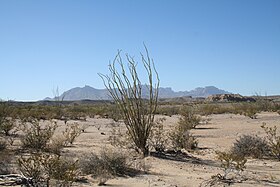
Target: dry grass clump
(250, 146)
(105, 166)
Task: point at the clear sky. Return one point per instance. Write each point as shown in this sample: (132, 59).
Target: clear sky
(231, 44)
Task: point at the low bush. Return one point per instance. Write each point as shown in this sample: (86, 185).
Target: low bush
(45, 169)
(250, 146)
(37, 136)
(7, 123)
(57, 143)
(208, 109)
(188, 119)
(181, 138)
(273, 140)
(71, 132)
(168, 110)
(158, 137)
(231, 162)
(104, 166)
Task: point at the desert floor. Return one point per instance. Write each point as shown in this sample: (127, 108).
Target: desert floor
(192, 170)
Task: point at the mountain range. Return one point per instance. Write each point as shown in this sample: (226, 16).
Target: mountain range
(90, 93)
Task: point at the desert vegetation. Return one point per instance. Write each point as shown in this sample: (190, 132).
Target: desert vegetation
(35, 145)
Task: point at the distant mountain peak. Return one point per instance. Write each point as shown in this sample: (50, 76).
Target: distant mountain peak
(89, 93)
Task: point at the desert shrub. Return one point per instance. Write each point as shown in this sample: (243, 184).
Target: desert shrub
(158, 138)
(36, 136)
(104, 166)
(32, 167)
(137, 110)
(68, 136)
(63, 170)
(43, 168)
(188, 119)
(181, 138)
(273, 140)
(75, 113)
(121, 139)
(168, 110)
(6, 122)
(112, 112)
(231, 162)
(247, 109)
(251, 113)
(57, 143)
(208, 109)
(252, 146)
(233, 165)
(71, 132)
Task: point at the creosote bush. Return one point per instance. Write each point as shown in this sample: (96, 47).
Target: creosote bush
(181, 138)
(36, 136)
(158, 138)
(126, 89)
(71, 132)
(231, 162)
(6, 122)
(105, 166)
(273, 140)
(188, 119)
(250, 146)
(44, 168)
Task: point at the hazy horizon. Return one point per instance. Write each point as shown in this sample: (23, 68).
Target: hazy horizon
(233, 45)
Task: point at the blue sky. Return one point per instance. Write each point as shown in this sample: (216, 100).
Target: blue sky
(230, 44)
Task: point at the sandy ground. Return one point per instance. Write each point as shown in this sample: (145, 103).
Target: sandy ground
(192, 169)
(198, 166)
